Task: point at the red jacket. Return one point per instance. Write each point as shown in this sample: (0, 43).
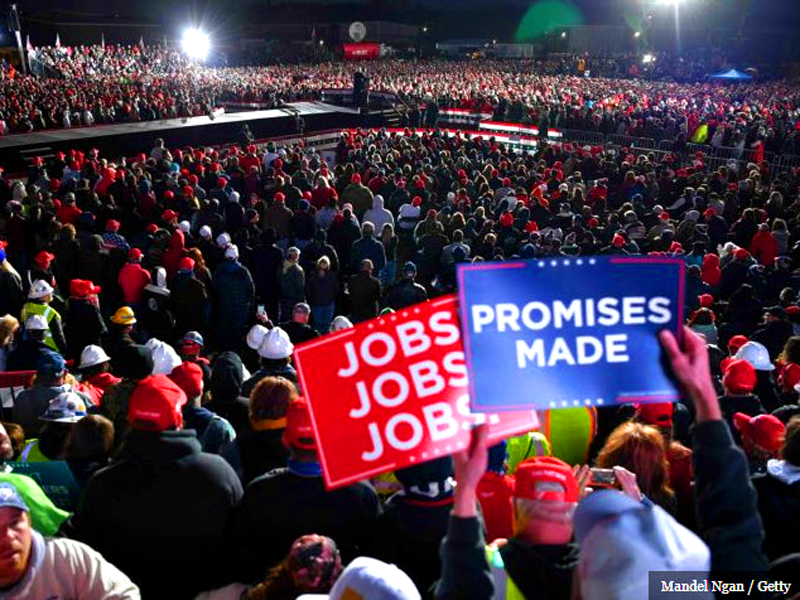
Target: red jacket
(132, 280)
(97, 386)
(68, 214)
(764, 248)
(495, 494)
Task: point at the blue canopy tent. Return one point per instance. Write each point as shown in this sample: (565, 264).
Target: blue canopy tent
(731, 75)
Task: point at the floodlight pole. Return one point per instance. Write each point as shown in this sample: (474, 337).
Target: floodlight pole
(18, 35)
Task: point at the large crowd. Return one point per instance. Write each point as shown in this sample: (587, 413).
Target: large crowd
(112, 84)
(158, 299)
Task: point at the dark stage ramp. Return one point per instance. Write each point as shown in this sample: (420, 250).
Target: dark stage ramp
(130, 138)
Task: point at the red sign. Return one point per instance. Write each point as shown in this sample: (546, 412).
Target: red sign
(392, 392)
(366, 50)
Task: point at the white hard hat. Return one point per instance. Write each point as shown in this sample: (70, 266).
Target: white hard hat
(256, 335)
(233, 197)
(36, 323)
(40, 289)
(340, 323)
(93, 355)
(232, 252)
(165, 359)
(223, 239)
(276, 345)
(757, 355)
(205, 232)
(184, 226)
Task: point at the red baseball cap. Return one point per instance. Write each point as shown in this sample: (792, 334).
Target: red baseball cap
(189, 377)
(741, 254)
(134, 254)
(617, 241)
(156, 404)
(187, 264)
(169, 214)
(112, 226)
(706, 300)
(790, 377)
(43, 258)
(736, 342)
(739, 377)
(507, 219)
(658, 414)
(152, 228)
(299, 432)
(169, 195)
(766, 431)
(356, 178)
(80, 288)
(545, 478)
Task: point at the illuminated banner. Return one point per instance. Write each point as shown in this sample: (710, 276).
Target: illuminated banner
(566, 332)
(392, 392)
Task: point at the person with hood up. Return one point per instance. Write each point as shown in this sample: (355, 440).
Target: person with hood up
(172, 256)
(227, 376)
(83, 320)
(122, 509)
(157, 319)
(276, 356)
(133, 278)
(779, 495)
(267, 260)
(378, 215)
(407, 291)
(283, 504)
(293, 283)
(234, 294)
(358, 195)
(710, 270)
(764, 246)
(39, 298)
(409, 531)
(189, 298)
(368, 248)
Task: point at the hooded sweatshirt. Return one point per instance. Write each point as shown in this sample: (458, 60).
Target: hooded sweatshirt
(227, 377)
(779, 504)
(378, 215)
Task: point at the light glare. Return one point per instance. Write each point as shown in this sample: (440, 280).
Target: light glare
(196, 44)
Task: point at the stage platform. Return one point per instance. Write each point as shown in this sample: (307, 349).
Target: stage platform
(130, 138)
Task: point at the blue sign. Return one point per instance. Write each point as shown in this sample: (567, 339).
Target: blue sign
(564, 332)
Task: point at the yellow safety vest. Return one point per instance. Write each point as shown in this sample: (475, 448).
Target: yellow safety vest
(46, 311)
(504, 586)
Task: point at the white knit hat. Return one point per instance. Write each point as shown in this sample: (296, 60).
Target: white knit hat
(276, 345)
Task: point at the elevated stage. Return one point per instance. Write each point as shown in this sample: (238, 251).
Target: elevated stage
(127, 139)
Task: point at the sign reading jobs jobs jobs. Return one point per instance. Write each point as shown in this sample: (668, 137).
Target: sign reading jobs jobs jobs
(392, 392)
(567, 332)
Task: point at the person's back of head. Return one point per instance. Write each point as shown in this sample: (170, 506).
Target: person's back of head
(270, 400)
(639, 448)
(90, 439)
(545, 496)
(370, 578)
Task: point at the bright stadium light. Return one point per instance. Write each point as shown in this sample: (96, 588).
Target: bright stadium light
(196, 44)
